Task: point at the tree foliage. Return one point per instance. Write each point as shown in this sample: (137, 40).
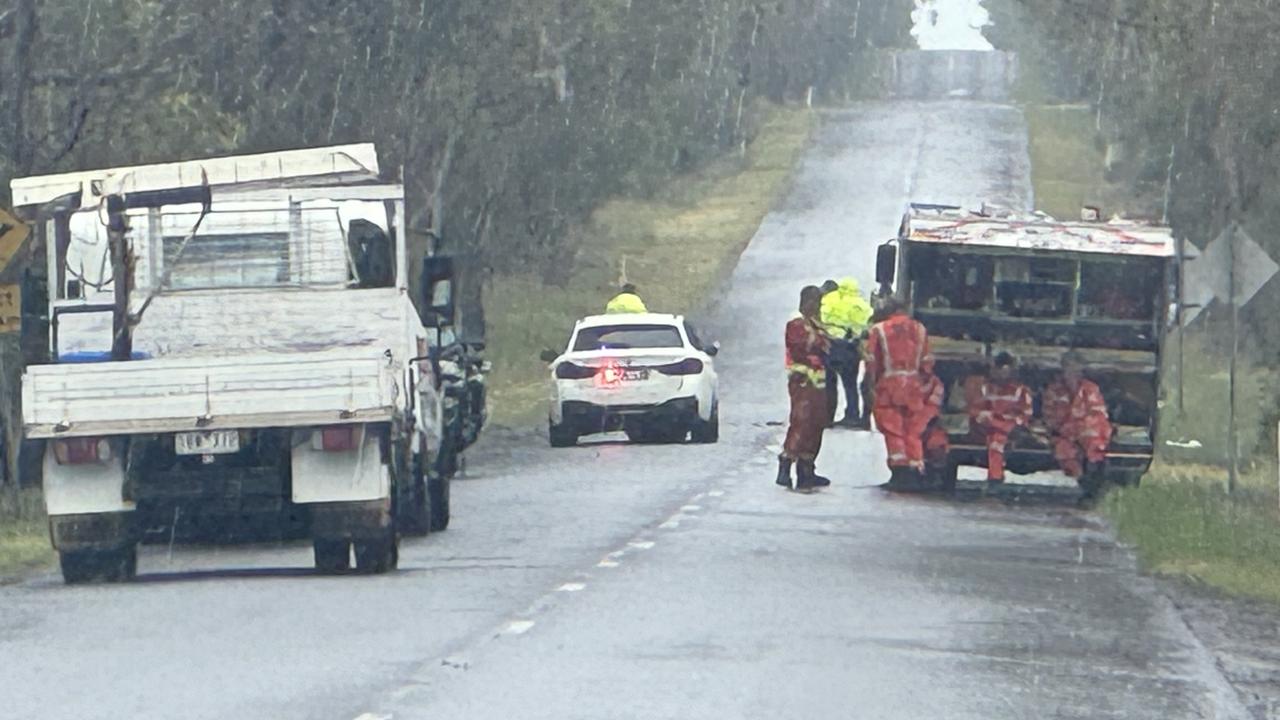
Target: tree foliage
(511, 118)
(1187, 98)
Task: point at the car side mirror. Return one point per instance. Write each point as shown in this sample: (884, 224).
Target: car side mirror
(549, 356)
(438, 306)
(713, 350)
(886, 263)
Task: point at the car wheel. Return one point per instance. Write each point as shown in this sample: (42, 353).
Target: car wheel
(562, 435)
(708, 431)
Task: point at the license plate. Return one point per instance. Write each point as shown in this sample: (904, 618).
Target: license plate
(634, 375)
(209, 442)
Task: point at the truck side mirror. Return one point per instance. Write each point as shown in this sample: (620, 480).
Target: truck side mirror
(549, 356)
(438, 306)
(886, 263)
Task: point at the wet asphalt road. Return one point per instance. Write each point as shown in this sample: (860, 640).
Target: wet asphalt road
(617, 581)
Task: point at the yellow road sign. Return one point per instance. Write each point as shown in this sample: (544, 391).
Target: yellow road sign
(12, 234)
(10, 309)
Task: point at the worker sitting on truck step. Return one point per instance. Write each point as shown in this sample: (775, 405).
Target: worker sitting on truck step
(1076, 413)
(626, 301)
(936, 443)
(1001, 408)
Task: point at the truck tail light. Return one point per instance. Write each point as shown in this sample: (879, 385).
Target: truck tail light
(691, 366)
(81, 450)
(571, 371)
(336, 438)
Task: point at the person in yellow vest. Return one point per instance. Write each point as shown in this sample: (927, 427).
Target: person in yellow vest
(627, 301)
(845, 314)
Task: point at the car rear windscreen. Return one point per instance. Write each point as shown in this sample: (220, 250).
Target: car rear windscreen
(627, 337)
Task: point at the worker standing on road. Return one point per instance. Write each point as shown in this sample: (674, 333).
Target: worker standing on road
(899, 364)
(807, 348)
(879, 299)
(1076, 413)
(626, 301)
(844, 316)
(1002, 407)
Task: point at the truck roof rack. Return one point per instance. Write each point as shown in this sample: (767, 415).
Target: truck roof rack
(337, 164)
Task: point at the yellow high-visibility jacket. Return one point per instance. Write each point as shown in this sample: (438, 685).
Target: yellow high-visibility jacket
(845, 312)
(626, 303)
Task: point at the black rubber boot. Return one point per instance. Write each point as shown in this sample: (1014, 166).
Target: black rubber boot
(805, 477)
(784, 472)
(1092, 484)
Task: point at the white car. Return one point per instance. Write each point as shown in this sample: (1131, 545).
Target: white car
(648, 375)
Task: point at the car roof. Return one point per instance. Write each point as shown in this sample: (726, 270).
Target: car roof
(630, 319)
(949, 225)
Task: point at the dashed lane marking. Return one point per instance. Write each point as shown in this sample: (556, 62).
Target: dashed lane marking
(641, 544)
(690, 508)
(517, 627)
(716, 493)
(607, 563)
(571, 587)
(670, 524)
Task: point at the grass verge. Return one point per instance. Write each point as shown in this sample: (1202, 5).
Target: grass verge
(1181, 519)
(1184, 524)
(24, 533)
(676, 248)
(1066, 159)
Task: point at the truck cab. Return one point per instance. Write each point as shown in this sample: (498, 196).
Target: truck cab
(234, 340)
(994, 281)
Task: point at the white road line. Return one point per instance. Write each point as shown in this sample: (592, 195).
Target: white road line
(716, 493)
(617, 554)
(607, 563)
(371, 716)
(571, 587)
(690, 508)
(641, 544)
(670, 524)
(517, 627)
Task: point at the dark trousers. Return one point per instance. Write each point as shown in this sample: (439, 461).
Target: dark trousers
(843, 365)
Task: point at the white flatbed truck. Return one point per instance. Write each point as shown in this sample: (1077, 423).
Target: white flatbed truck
(236, 336)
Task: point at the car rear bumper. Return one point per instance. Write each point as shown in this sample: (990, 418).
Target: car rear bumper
(587, 418)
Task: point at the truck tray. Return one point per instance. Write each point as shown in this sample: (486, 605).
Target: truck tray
(173, 395)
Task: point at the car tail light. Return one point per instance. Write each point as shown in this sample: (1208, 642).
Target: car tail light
(692, 366)
(81, 450)
(609, 375)
(570, 371)
(336, 438)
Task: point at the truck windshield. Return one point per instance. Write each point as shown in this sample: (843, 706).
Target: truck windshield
(627, 337)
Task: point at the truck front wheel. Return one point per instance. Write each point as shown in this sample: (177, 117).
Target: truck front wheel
(83, 566)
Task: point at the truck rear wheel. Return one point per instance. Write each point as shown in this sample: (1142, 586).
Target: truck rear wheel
(84, 566)
(332, 556)
(438, 493)
(375, 556)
